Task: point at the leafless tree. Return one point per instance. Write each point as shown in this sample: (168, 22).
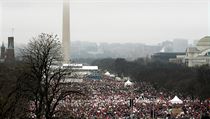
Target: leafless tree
(45, 75)
(11, 103)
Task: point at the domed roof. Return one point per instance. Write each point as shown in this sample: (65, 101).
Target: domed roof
(204, 41)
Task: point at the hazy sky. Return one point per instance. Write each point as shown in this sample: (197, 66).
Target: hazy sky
(143, 21)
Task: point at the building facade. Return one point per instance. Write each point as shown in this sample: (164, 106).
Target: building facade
(8, 55)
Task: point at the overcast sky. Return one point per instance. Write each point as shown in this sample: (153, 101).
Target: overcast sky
(142, 21)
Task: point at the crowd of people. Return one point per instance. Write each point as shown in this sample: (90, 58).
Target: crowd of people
(110, 99)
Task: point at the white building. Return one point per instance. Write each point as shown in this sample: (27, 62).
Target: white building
(81, 72)
(196, 56)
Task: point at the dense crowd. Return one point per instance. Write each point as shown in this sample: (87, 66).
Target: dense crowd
(110, 99)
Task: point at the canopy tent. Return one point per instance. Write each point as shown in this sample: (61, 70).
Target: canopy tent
(107, 73)
(176, 100)
(112, 75)
(128, 83)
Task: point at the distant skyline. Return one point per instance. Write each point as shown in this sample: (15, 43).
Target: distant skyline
(114, 21)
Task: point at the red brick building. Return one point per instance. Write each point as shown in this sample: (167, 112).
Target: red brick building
(8, 55)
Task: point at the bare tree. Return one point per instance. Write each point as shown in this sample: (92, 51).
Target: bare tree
(7, 104)
(11, 103)
(44, 76)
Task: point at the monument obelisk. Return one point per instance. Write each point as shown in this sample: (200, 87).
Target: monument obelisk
(1, 19)
(66, 32)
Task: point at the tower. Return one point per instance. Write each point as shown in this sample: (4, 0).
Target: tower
(66, 32)
(10, 54)
(2, 51)
(10, 42)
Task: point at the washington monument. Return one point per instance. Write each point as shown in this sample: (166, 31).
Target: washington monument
(66, 32)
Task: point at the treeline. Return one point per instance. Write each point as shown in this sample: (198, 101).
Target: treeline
(172, 77)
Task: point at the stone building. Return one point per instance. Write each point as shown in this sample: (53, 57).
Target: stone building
(196, 56)
(8, 54)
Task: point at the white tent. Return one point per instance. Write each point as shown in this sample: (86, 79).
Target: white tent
(117, 78)
(128, 83)
(107, 73)
(112, 75)
(176, 100)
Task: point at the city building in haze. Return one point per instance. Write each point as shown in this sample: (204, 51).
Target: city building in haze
(180, 45)
(8, 54)
(166, 46)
